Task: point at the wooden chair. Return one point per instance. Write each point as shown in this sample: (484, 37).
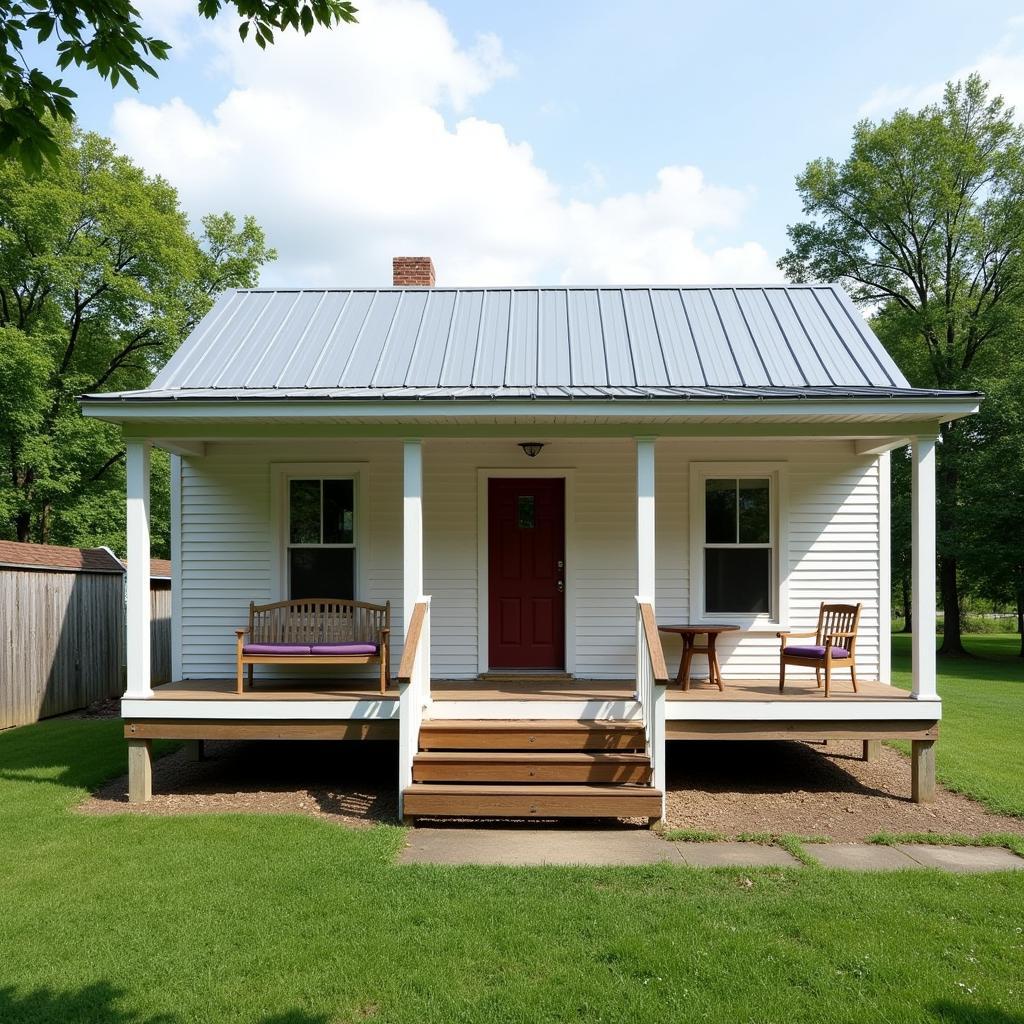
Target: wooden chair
(316, 631)
(835, 645)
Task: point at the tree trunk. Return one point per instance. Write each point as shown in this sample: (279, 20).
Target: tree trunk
(23, 523)
(947, 536)
(908, 604)
(952, 639)
(1020, 620)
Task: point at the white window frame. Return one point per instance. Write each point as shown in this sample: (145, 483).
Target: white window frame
(776, 474)
(281, 475)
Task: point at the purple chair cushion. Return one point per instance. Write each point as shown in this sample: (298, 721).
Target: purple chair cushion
(276, 649)
(341, 649)
(814, 651)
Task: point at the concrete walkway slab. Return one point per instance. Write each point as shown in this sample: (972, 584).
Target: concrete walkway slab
(522, 847)
(860, 856)
(734, 855)
(963, 858)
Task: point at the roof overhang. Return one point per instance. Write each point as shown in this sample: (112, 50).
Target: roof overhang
(214, 419)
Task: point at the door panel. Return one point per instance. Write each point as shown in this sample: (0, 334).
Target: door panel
(526, 566)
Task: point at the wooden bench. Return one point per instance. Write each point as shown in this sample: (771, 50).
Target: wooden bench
(316, 632)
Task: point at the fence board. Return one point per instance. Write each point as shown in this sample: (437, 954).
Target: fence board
(62, 640)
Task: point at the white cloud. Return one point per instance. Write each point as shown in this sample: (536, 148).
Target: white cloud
(339, 144)
(1003, 66)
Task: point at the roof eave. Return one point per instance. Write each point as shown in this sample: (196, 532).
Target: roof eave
(137, 407)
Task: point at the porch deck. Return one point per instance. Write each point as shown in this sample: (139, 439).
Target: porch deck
(519, 689)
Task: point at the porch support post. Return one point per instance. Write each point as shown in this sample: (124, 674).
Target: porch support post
(412, 530)
(646, 559)
(923, 551)
(140, 771)
(137, 598)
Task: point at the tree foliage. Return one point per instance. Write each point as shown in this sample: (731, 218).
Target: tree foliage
(100, 280)
(107, 36)
(924, 222)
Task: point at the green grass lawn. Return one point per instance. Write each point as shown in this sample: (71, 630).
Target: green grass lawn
(981, 740)
(286, 920)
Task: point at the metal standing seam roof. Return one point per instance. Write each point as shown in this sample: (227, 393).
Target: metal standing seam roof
(595, 342)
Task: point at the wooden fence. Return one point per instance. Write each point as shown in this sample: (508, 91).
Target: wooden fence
(62, 641)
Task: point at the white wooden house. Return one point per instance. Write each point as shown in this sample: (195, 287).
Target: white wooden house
(530, 476)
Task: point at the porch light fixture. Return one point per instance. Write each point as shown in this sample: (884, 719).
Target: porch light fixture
(531, 448)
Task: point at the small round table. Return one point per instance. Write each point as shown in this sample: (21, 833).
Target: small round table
(689, 636)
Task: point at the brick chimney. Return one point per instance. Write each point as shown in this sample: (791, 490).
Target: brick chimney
(412, 272)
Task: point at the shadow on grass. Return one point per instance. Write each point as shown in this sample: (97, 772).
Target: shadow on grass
(102, 1003)
(78, 753)
(950, 1012)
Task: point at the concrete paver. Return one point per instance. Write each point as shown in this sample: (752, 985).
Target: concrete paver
(592, 848)
(963, 858)
(607, 848)
(860, 856)
(734, 855)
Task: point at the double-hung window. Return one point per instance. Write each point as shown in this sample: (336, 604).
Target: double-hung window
(735, 547)
(320, 532)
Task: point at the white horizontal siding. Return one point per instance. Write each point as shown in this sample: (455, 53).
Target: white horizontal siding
(228, 552)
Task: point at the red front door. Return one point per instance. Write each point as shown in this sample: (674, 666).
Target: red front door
(526, 573)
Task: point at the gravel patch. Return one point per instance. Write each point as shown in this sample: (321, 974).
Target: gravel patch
(725, 788)
(348, 783)
(811, 790)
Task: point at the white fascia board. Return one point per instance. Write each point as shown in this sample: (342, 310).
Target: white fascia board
(763, 410)
(626, 710)
(861, 709)
(259, 710)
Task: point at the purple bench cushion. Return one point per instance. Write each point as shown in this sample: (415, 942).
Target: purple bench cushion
(813, 651)
(276, 649)
(341, 649)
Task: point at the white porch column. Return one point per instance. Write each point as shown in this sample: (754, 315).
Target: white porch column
(646, 564)
(137, 598)
(923, 550)
(412, 530)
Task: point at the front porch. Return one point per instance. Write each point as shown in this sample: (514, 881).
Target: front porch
(631, 526)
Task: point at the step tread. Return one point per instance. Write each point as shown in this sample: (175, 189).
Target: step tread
(538, 790)
(552, 756)
(532, 725)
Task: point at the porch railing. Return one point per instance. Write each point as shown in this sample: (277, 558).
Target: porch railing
(413, 692)
(651, 681)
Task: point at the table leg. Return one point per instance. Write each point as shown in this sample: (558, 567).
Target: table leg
(684, 662)
(716, 669)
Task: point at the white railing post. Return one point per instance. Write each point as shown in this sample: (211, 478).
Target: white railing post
(923, 552)
(413, 700)
(137, 607)
(650, 692)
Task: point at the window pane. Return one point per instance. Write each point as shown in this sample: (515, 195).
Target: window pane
(338, 511)
(321, 572)
(755, 514)
(737, 580)
(304, 512)
(720, 511)
(525, 508)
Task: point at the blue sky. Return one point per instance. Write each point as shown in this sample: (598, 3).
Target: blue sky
(522, 142)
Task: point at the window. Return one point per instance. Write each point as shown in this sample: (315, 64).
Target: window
(735, 548)
(320, 534)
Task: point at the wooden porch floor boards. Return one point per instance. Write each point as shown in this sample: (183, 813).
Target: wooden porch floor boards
(543, 689)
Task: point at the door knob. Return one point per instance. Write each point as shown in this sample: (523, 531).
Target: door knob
(561, 586)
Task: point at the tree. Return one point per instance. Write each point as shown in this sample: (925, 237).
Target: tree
(924, 222)
(106, 36)
(994, 498)
(100, 280)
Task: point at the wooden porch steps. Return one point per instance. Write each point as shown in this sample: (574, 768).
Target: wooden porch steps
(531, 766)
(531, 769)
